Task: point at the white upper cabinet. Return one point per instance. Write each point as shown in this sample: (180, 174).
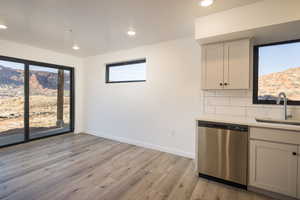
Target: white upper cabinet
(237, 64)
(226, 65)
(212, 74)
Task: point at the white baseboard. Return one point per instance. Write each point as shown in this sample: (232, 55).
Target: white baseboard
(143, 144)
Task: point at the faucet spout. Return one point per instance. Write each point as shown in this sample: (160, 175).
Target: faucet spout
(281, 96)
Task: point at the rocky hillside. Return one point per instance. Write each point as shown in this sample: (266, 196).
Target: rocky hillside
(287, 81)
(12, 77)
(12, 81)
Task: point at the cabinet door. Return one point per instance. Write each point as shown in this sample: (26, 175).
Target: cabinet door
(273, 167)
(212, 62)
(237, 64)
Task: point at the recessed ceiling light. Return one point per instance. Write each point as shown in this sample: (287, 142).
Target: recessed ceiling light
(2, 26)
(131, 33)
(75, 47)
(206, 3)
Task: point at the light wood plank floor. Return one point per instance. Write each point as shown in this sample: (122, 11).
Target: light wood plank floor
(87, 167)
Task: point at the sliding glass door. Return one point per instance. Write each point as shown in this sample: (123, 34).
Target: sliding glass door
(11, 102)
(36, 100)
(49, 101)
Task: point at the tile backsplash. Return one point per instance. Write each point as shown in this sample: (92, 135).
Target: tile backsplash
(239, 103)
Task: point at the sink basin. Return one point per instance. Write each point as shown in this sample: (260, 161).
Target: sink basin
(278, 121)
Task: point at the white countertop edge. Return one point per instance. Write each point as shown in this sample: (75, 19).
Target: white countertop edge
(251, 122)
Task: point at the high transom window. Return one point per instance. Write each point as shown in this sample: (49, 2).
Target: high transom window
(131, 71)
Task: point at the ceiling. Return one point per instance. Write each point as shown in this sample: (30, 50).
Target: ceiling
(100, 26)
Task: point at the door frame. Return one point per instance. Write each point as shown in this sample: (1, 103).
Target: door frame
(27, 63)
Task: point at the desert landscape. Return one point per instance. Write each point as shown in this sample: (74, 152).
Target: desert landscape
(43, 101)
(287, 81)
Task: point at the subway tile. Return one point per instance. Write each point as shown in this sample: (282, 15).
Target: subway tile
(217, 101)
(256, 111)
(240, 101)
(209, 93)
(249, 93)
(276, 113)
(229, 93)
(231, 110)
(270, 106)
(210, 110)
(295, 112)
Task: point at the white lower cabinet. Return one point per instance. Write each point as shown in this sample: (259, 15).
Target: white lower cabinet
(274, 167)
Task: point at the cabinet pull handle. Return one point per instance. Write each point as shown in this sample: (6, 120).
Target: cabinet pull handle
(221, 84)
(226, 84)
(294, 153)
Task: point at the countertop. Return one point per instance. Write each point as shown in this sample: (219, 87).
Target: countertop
(251, 122)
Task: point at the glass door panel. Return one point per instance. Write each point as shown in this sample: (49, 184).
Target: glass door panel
(49, 101)
(11, 102)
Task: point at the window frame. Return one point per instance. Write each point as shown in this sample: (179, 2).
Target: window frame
(255, 99)
(120, 64)
(27, 63)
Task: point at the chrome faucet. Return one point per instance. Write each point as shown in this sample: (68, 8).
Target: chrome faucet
(281, 96)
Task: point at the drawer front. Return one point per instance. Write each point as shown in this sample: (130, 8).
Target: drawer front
(275, 135)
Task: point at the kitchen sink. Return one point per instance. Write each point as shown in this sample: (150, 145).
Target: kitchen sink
(278, 121)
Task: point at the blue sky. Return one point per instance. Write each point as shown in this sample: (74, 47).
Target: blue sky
(44, 69)
(278, 58)
(13, 65)
(128, 72)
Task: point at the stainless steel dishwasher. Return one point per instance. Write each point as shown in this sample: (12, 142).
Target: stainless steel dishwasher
(223, 153)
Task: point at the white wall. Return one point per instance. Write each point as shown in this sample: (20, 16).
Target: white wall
(159, 113)
(11, 49)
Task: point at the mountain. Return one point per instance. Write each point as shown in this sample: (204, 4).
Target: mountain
(14, 78)
(287, 81)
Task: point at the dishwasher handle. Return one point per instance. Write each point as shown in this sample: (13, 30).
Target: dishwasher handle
(234, 127)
